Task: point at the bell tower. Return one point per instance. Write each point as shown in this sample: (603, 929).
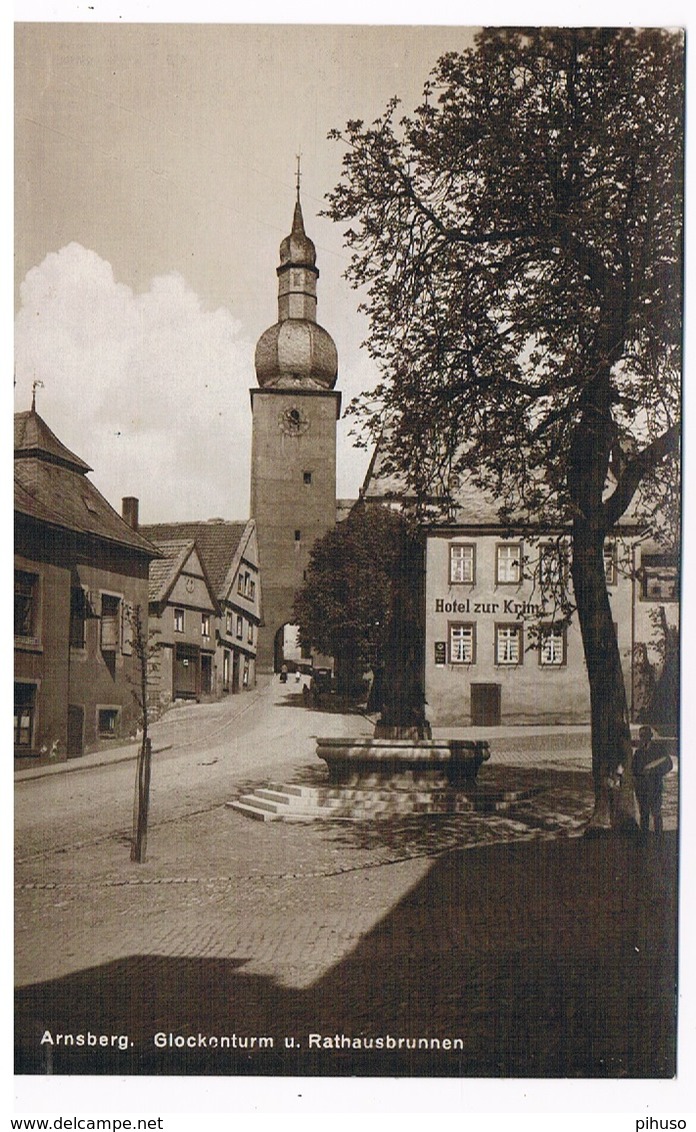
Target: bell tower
(293, 449)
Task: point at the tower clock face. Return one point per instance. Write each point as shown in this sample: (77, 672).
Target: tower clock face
(293, 422)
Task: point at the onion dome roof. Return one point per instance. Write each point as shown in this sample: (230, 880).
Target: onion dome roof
(296, 351)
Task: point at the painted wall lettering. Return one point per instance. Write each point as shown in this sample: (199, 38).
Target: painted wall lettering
(516, 608)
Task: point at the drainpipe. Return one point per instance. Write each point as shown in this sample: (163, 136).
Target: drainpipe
(633, 629)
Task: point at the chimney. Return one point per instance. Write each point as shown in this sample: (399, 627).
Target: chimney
(129, 511)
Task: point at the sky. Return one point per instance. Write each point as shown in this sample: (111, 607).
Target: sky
(155, 172)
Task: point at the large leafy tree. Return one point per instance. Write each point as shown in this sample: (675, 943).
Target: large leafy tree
(518, 242)
(360, 603)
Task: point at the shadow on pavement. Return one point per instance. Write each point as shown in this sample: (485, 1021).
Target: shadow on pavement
(324, 703)
(542, 959)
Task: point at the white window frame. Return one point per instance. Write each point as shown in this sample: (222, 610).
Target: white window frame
(546, 634)
(501, 557)
(459, 561)
(458, 632)
(507, 631)
(179, 620)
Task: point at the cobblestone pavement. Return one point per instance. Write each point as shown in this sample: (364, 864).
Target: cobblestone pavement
(283, 906)
(218, 884)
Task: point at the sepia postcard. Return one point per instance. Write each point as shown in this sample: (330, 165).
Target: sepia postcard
(348, 559)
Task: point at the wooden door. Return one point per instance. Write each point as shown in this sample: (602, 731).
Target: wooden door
(485, 705)
(186, 679)
(76, 730)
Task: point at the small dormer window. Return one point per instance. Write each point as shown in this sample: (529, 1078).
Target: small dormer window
(89, 505)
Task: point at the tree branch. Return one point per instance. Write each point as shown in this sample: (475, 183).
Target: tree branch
(636, 469)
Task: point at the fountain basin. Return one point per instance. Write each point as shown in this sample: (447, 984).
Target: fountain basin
(402, 764)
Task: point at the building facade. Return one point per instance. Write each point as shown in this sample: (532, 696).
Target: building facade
(224, 585)
(183, 615)
(497, 649)
(81, 577)
(293, 457)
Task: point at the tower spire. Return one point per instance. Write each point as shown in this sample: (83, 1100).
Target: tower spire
(296, 350)
(36, 384)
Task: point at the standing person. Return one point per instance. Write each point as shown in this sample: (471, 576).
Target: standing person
(649, 769)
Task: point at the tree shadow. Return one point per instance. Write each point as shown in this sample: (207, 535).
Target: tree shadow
(328, 704)
(543, 959)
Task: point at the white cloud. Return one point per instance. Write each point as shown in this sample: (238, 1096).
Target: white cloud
(150, 389)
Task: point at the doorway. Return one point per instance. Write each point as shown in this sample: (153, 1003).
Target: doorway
(76, 730)
(206, 674)
(186, 672)
(485, 705)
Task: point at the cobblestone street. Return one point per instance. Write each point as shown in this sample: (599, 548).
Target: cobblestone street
(468, 925)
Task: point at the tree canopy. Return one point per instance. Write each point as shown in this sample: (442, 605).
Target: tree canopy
(519, 238)
(518, 243)
(346, 599)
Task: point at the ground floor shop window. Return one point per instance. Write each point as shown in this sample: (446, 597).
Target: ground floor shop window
(24, 712)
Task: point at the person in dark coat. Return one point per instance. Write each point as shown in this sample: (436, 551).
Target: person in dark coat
(649, 770)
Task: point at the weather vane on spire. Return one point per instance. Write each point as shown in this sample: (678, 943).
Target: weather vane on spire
(299, 174)
(36, 384)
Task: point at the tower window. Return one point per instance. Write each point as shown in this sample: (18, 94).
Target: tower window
(307, 477)
(297, 536)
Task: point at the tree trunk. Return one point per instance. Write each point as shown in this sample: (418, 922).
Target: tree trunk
(141, 802)
(611, 736)
(348, 672)
(403, 695)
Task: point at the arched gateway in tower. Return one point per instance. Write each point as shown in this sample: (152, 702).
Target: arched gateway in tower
(293, 451)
